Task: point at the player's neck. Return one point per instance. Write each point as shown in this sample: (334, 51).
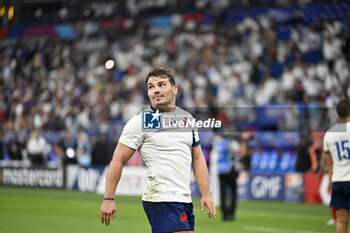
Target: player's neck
(169, 108)
(346, 119)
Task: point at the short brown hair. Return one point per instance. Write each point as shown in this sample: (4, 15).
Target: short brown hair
(343, 108)
(161, 72)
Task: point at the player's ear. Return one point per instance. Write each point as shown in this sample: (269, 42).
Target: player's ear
(175, 89)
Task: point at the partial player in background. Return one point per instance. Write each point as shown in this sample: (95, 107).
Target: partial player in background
(326, 166)
(336, 146)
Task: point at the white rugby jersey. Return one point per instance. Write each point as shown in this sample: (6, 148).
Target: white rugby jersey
(167, 153)
(336, 141)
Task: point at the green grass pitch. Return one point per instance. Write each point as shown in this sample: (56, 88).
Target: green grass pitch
(27, 210)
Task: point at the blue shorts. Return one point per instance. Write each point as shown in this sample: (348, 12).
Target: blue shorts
(169, 216)
(340, 195)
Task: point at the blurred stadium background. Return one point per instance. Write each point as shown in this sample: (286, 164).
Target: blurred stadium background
(71, 75)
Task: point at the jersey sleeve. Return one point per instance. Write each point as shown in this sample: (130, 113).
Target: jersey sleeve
(196, 141)
(132, 134)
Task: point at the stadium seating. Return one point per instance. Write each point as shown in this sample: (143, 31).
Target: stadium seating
(37, 71)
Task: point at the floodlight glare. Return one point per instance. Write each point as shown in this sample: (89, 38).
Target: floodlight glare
(109, 64)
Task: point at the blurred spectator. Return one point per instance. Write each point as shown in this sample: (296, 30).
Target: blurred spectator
(292, 116)
(15, 148)
(315, 151)
(314, 113)
(331, 48)
(287, 79)
(298, 91)
(2, 147)
(312, 85)
(331, 101)
(102, 150)
(347, 89)
(247, 146)
(66, 147)
(37, 148)
(52, 158)
(303, 163)
(228, 169)
(83, 150)
(346, 46)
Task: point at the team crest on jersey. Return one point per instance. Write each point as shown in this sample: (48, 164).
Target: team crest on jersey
(152, 120)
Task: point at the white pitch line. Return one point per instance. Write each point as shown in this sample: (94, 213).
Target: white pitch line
(279, 230)
(287, 215)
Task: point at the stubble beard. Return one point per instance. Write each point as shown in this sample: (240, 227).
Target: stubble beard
(164, 105)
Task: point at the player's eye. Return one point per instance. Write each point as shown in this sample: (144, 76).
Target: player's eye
(150, 87)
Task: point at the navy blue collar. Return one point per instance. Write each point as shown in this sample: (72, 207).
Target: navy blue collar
(156, 109)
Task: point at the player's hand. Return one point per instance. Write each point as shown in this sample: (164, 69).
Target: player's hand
(208, 202)
(107, 210)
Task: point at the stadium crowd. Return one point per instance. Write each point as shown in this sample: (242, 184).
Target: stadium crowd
(52, 85)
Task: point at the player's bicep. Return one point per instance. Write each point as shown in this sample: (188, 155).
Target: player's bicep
(197, 153)
(122, 153)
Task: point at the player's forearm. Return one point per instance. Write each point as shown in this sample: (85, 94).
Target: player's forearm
(121, 155)
(322, 166)
(330, 172)
(201, 173)
(113, 176)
